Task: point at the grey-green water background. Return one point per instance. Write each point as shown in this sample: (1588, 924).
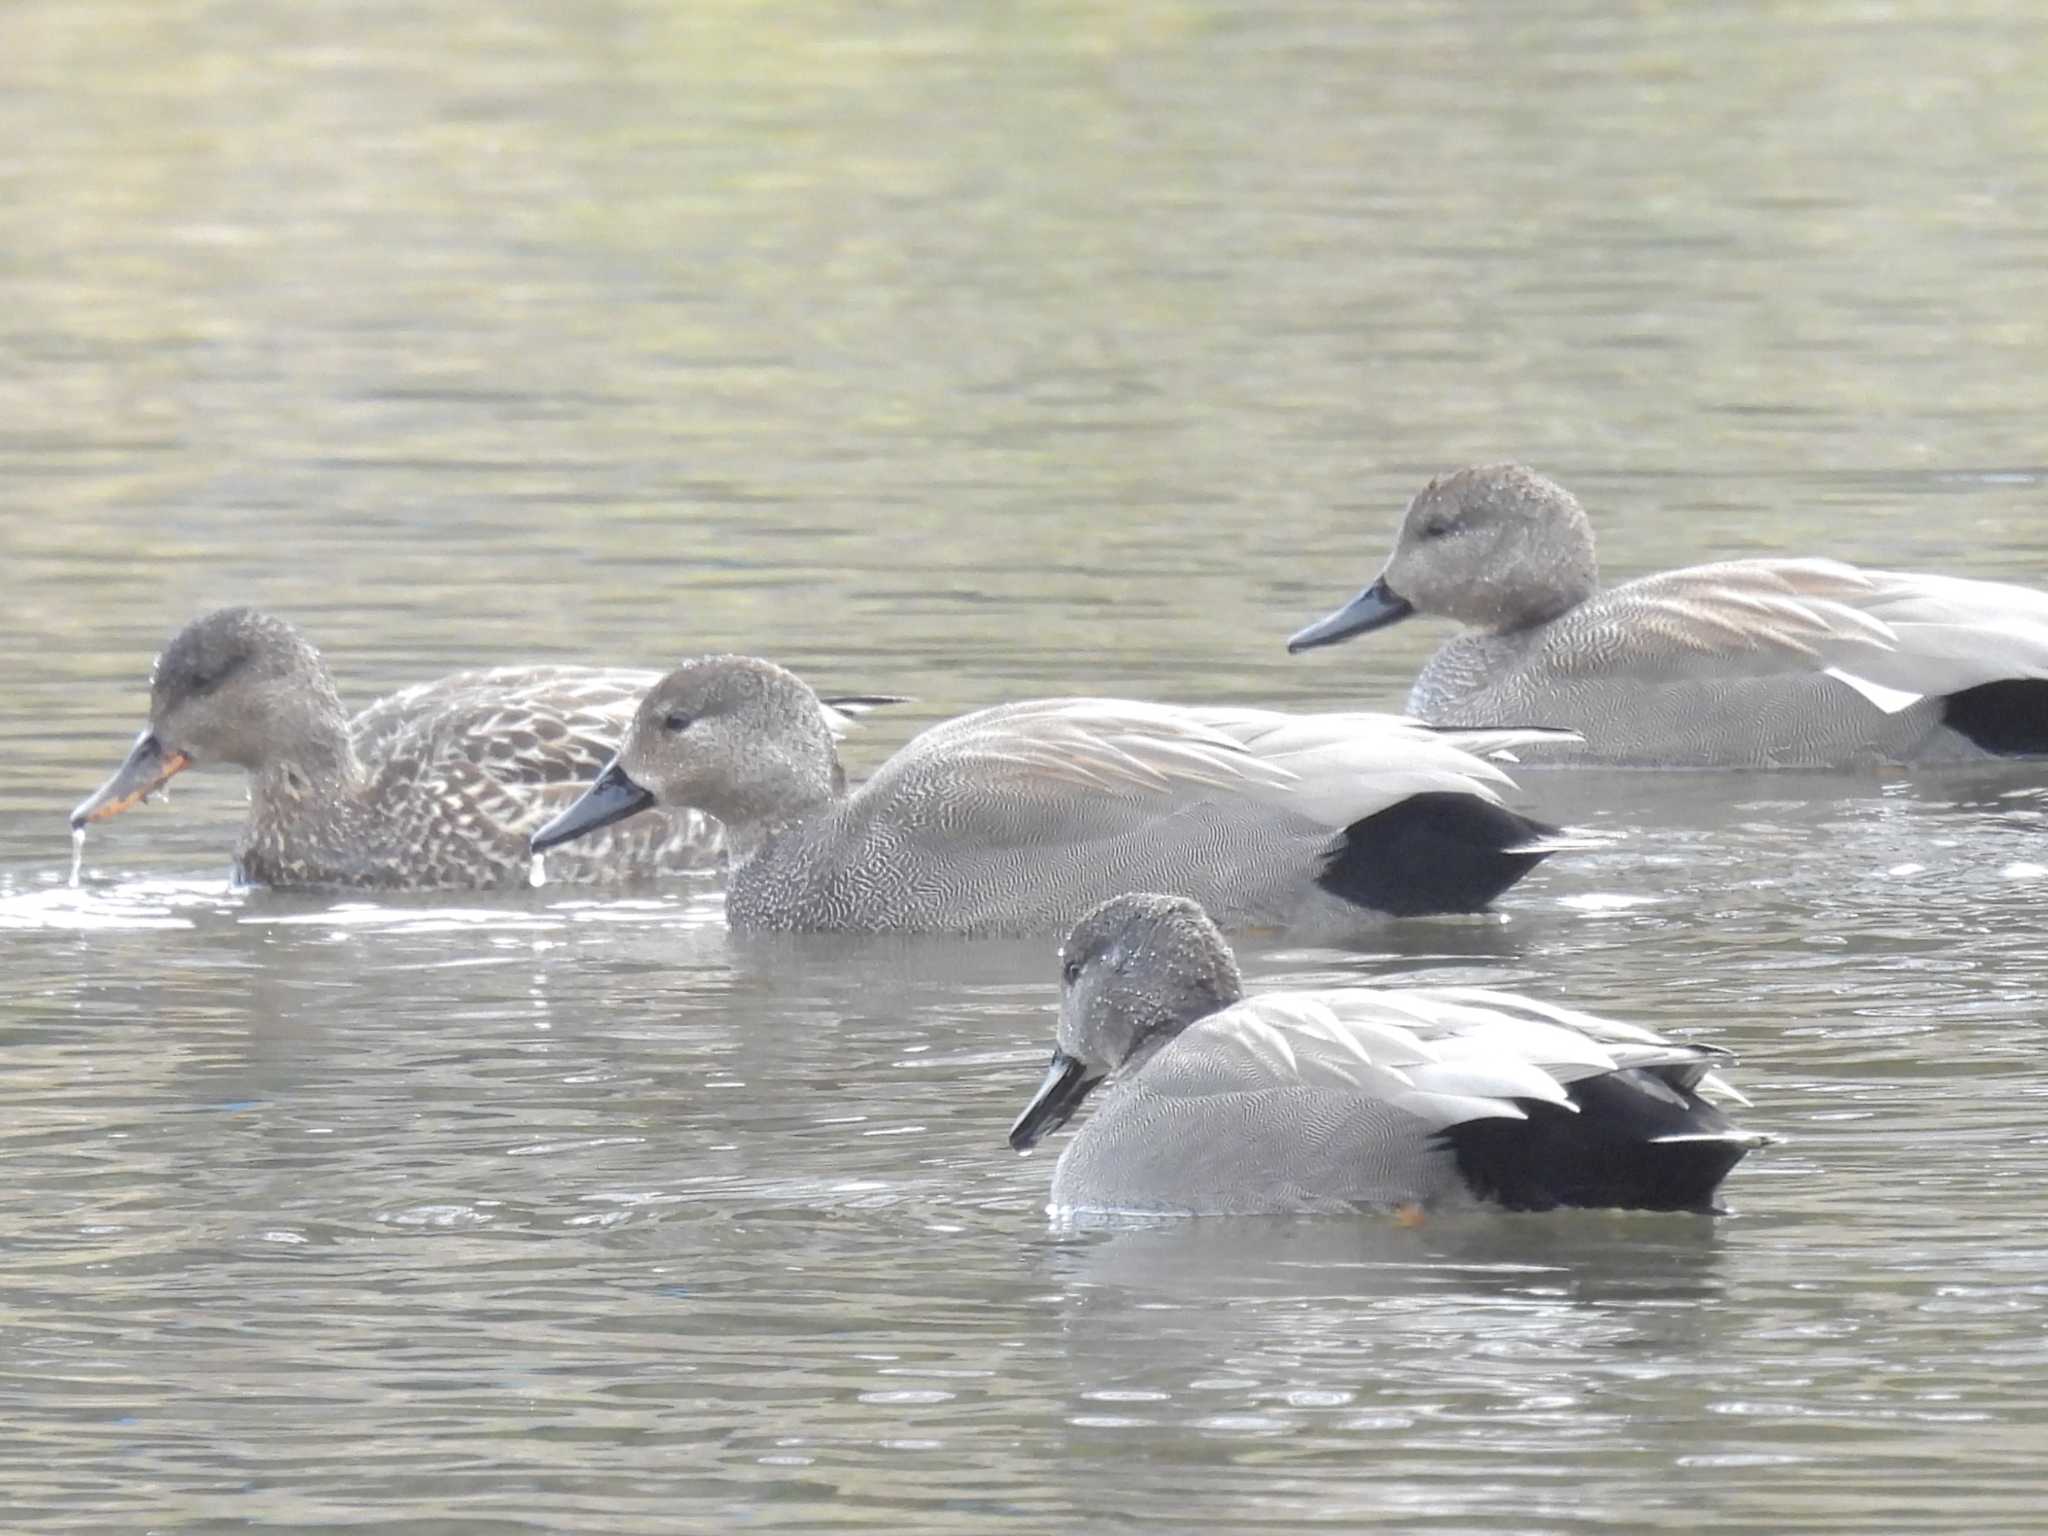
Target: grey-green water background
(979, 351)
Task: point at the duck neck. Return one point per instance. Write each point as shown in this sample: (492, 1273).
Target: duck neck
(787, 791)
(1210, 986)
(1572, 588)
(316, 768)
(1557, 574)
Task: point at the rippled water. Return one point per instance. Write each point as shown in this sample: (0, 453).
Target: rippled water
(977, 354)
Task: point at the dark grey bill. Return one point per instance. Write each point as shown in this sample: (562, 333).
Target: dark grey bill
(1066, 1084)
(1374, 608)
(612, 797)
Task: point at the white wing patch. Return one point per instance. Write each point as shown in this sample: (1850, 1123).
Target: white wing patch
(1890, 700)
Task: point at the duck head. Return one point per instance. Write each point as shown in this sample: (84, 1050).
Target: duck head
(1135, 972)
(1496, 546)
(738, 738)
(236, 688)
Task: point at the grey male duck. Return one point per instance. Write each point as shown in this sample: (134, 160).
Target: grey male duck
(434, 788)
(1355, 1098)
(1768, 663)
(1019, 818)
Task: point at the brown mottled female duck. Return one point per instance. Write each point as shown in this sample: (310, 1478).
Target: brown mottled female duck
(435, 788)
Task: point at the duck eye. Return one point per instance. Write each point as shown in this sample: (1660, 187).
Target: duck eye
(676, 720)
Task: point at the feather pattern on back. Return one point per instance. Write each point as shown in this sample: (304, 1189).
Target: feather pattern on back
(1761, 618)
(1017, 818)
(464, 769)
(1345, 1098)
(1765, 662)
(456, 774)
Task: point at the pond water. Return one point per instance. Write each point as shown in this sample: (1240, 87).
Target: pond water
(975, 353)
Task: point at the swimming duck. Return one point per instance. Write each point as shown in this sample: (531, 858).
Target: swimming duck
(1017, 819)
(433, 788)
(1346, 1098)
(1744, 663)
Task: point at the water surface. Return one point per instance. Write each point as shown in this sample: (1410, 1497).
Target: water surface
(973, 354)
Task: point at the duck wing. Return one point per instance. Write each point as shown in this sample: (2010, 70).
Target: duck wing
(1356, 1042)
(515, 725)
(1060, 770)
(1950, 634)
(1351, 1093)
(1895, 637)
(1440, 1052)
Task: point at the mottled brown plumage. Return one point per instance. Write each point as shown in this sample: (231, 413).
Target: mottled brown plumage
(433, 788)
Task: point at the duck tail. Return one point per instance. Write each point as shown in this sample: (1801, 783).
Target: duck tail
(1438, 851)
(2008, 717)
(1631, 1139)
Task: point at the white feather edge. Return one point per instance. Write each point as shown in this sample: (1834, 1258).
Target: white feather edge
(1472, 1042)
(1890, 700)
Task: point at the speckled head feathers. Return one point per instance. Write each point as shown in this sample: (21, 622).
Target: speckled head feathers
(1496, 546)
(208, 652)
(240, 686)
(735, 736)
(1137, 970)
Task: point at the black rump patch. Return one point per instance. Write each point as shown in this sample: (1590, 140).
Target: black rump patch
(1434, 852)
(2009, 717)
(1606, 1155)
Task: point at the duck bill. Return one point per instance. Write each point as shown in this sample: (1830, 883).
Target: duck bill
(1374, 608)
(147, 769)
(613, 797)
(1067, 1083)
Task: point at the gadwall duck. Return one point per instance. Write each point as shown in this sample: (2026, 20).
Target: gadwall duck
(1744, 663)
(1017, 819)
(435, 787)
(1354, 1097)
